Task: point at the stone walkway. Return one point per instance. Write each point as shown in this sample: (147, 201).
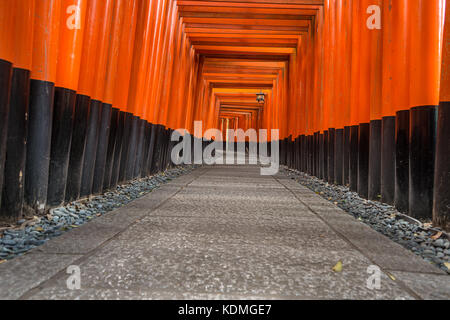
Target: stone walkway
(223, 232)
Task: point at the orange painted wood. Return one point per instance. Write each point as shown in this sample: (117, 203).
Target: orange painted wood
(365, 52)
(7, 16)
(70, 43)
(425, 32)
(387, 107)
(91, 44)
(45, 40)
(400, 52)
(376, 64)
(356, 36)
(141, 55)
(23, 33)
(113, 52)
(127, 37)
(445, 69)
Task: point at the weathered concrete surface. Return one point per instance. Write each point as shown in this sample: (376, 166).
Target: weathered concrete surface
(223, 232)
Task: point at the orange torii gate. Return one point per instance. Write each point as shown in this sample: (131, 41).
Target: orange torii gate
(90, 91)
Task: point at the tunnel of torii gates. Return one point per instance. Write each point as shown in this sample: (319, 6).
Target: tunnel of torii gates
(90, 91)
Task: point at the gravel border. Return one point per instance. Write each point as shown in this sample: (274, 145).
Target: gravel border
(432, 244)
(28, 234)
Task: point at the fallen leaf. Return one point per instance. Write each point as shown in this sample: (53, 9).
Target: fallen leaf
(49, 217)
(338, 267)
(74, 226)
(391, 276)
(1, 261)
(447, 264)
(39, 229)
(427, 225)
(437, 235)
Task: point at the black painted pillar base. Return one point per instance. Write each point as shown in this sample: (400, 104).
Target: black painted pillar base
(441, 209)
(310, 155)
(173, 143)
(321, 154)
(330, 162)
(146, 148)
(5, 93)
(63, 118)
(125, 147)
(77, 147)
(118, 149)
(151, 148)
(166, 155)
(293, 150)
(283, 152)
(38, 145)
(291, 154)
(388, 160)
(305, 153)
(339, 156)
(316, 154)
(325, 155)
(156, 165)
(353, 167)
(140, 148)
(131, 154)
(346, 159)
(13, 186)
(363, 159)
(170, 145)
(288, 152)
(423, 122)
(313, 168)
(299, 155)
(301, 152)
(375, 160)
(102, 149)
(111, 146)
(164, 150)
(87, 175)
(402, 161)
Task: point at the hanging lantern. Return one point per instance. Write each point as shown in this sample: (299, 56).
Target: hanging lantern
(260, 97)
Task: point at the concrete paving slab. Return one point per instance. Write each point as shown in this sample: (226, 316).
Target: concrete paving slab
(224, 232)
(28, 271)
(232, 270)
(427, 286)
